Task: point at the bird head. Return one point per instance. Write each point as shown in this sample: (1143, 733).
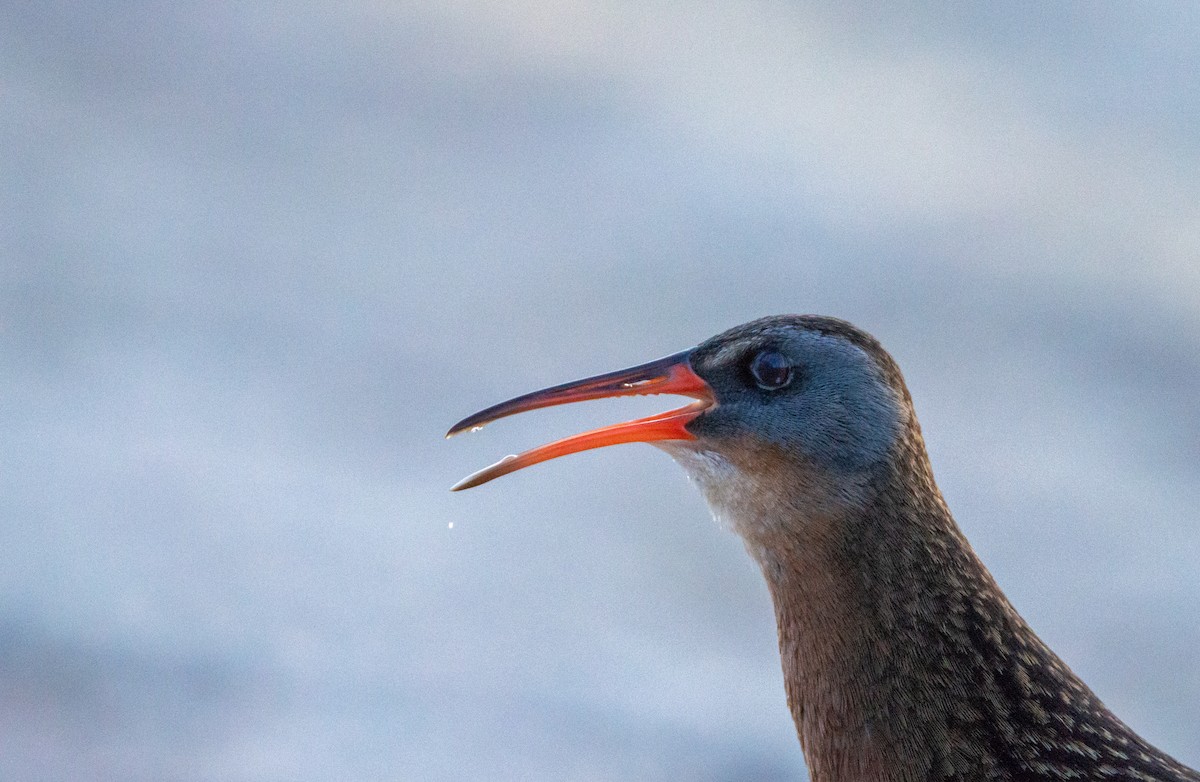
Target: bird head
(798, 412)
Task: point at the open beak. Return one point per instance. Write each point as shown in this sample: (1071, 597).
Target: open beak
(670, 375)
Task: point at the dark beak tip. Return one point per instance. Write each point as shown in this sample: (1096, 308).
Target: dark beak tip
(469, 424)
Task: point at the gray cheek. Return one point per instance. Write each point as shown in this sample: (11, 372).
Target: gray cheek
(873, 420)
(848, 419)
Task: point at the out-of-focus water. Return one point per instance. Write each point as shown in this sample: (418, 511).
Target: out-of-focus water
(255, 261)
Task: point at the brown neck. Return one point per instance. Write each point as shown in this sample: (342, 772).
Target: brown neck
(903, 660)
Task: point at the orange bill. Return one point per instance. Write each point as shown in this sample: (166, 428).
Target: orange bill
(670, 375)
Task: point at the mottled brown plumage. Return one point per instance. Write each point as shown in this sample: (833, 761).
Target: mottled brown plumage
(937, 676)
(903, 661)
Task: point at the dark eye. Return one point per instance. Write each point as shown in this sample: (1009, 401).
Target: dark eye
(771, 370)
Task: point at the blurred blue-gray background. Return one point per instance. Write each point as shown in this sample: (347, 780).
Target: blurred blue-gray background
(256, 258)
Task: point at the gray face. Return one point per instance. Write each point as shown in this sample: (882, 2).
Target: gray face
(804, 425)
(794, 452)
(835, 414)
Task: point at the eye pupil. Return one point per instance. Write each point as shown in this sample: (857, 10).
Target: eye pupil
(771, 370)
